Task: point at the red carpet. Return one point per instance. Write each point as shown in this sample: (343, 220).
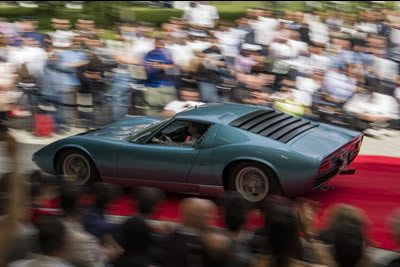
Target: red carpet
(374, 188)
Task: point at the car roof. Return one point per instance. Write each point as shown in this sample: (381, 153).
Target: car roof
(223, 113)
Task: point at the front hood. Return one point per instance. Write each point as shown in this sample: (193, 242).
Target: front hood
(323, 140)
(122, 129)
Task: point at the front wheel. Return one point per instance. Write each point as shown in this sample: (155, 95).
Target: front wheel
(76, 166)
(253, 181)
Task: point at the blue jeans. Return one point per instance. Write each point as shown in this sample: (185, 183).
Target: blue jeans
(208, 92)
(58, 115)
(121, 95)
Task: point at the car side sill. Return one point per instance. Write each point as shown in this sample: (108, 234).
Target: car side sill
(203, 190)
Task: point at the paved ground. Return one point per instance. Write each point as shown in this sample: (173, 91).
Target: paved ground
(387, 146)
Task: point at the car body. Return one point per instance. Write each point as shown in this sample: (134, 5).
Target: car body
(299, 154)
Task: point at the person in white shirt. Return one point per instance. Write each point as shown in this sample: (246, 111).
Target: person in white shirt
(31, 55)
(181, 52)
(201, 14)
(265, 28)
(319, 33)
(189, 98)
(229, 41)
(62, 27)
(372, 112)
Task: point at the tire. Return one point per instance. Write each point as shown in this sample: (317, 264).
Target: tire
(84, 171)
(262, 183)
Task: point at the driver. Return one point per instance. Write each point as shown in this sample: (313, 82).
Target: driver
(195, 133)
(195, 130)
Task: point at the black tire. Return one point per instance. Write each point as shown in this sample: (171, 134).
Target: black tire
(66, 156)
(263, 174)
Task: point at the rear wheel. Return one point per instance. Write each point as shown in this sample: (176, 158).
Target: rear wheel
(76, 166)
(253, 181)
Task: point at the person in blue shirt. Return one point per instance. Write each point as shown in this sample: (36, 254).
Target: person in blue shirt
(94, 220)
(65, 65)
(161, 78)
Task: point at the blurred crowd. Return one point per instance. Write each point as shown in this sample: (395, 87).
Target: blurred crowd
(331, 66)
(80, 234)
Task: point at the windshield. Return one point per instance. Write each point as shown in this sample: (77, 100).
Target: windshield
(138, 137)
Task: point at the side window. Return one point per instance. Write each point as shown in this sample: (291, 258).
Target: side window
(184, 133)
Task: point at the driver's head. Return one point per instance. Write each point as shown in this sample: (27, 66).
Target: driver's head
(192, 129)
(197, 128)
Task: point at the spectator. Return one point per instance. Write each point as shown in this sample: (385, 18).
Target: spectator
(244, 63)
(291, 100)
(10, 185)
(67, 62)
(52, 245)
(350, 245)
(30, 31)
(189, 98)
(160, 84)
(278, 243)
(252, 89)
(147, 199)
(209, 73)
(394, 225)
(122, 78)
(247, 32)
(338, 86)
(373, 112)
(81, 248)
(264, 23)
(92, 93)
(11, 193)
(183, 246)
(337, 215)
(31, 55)
(235, 218)
(24, 242)
(85, 27)
(201, 14)
(94, 220)
(62, 27)
(229, 41)
(319, 34)
(217, 250)
(138, 244)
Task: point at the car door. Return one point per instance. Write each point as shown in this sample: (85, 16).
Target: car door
(157, 162)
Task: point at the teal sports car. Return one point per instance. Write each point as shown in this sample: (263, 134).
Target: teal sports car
(207, 150)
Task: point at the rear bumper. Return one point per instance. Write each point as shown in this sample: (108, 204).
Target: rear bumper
(338, 161)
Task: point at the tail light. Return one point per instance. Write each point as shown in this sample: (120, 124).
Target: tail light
(324, 167)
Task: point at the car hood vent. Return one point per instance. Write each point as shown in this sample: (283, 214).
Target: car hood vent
(273, 124)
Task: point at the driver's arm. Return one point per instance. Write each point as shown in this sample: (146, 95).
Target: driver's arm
(168, 140)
